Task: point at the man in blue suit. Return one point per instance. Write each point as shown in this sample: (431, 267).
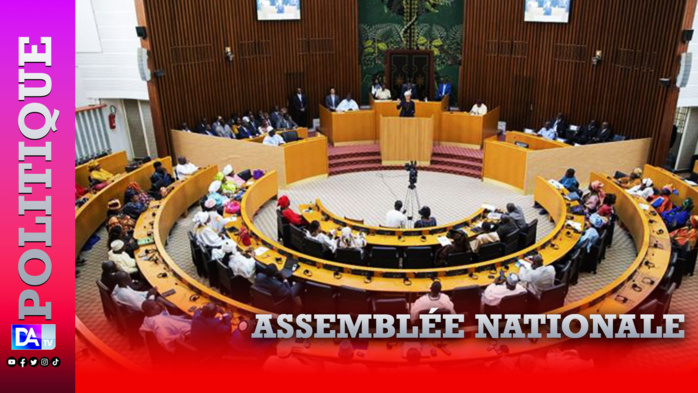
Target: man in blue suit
(442, 90)
(280, 289)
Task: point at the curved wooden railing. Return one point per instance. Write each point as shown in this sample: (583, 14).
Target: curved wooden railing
(553, 247)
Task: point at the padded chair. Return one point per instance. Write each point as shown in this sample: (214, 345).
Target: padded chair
(313, 248)
(297, 236)
(263, 300)
(385, 257)
(159, 356)
(128, 324)
(351, 256)
(665, 300)
(390, 306)
(466, 300)
(576, 259)
(319, 299)
(649, 308)
(490, 251)
(353, 301)
(528, 238)
(196, 255)
(211, 268)
(283, 229)
(549, 299)
(459, 259)
(564, 273)
(225, 278)
(108, 304)
(590, 260)
(290, 136)
(511, 244)
(418, 258)
(240, 289)
(610, 232)
(602, 242)
(512, 304)
(245, 175)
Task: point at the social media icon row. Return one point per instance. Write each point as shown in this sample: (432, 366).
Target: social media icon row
(33, 362)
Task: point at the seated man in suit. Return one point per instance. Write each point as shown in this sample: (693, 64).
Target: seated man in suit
(246, 130)
(479, 109)
(332, 100)
(516, 215)
(280, 289)
(506, 227)
(160, 181)
(587, 133)
(210, 329)
(442, 90)
(348, 104)
(605, 134)
(286, 122)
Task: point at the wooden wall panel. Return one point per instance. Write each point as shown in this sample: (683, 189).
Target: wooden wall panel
(549, 69)
(187, 39)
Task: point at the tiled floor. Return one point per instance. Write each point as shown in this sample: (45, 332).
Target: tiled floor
(370, 195)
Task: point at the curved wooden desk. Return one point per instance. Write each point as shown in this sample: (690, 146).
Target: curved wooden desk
(162, 271)
(386, 236)
(90, 216)
(189, 294)
(553, 247)
(113, 163)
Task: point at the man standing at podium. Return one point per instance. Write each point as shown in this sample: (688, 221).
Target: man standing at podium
(406, 106)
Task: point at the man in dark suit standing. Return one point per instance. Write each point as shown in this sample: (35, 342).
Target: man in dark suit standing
(332, 100)
(300, 107)
(443, 90)
(411, 87)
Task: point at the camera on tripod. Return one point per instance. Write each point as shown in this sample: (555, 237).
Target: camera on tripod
(411, 167)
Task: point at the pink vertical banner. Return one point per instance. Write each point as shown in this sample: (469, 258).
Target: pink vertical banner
(43, 267)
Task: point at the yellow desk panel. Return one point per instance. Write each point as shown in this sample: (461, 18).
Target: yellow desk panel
(348, 128)
(406, 139)
(534, 142)
(306, 159)
(505, 163)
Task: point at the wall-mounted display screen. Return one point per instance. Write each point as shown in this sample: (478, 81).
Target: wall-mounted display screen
(547, 11)
(278, 9)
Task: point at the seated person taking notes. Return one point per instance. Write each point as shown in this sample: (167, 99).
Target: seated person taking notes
(348, 104)
(273, 139)
(479, 109)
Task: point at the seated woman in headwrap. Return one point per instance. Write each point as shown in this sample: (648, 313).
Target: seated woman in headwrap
(349, 241)
(143, 196)
(206, 236)
(643, 190)
(216, 222)
(631, 181)
(215, 193)
(662, 202)
(607, 210)
(134, 207)
(97, 174)
(80, 192)
(593, 198)
(228, 187)
(686, 234)
(292, 217)
(593, 226)
(678, 216)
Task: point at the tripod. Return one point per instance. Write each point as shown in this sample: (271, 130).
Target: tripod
(411, 201)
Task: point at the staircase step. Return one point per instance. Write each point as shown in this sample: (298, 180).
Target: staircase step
(474, 173)
(335, 162)
(458, 152)
(353, 151)
(456, 163)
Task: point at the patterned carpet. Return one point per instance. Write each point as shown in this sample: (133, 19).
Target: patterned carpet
(369, 196)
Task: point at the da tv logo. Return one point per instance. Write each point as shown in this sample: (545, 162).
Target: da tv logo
(33, 337)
